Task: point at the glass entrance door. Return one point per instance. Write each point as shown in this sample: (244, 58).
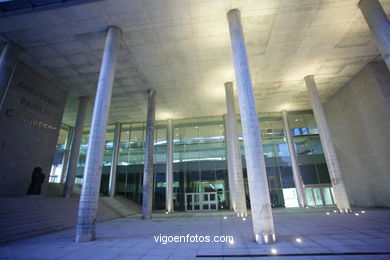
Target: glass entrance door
(210, 201)
(319, 196)
(201, 201)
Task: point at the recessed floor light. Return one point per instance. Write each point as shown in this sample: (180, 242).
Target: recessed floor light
(274, 251)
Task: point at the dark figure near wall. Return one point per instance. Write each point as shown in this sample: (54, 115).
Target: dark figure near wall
(36, 181)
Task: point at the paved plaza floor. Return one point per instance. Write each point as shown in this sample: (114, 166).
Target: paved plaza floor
(301, 234)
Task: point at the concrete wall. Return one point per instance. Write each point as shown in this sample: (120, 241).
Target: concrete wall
(359, 122)
(30, 120)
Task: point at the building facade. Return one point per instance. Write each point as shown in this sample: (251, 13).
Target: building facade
(200, 161)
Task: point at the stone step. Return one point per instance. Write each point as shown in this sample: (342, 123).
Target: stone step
(30, 216)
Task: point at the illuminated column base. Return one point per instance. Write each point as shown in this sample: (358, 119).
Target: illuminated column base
(265, 238)
(345, 210)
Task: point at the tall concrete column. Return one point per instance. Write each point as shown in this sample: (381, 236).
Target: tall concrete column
(86, 217)
(114, 160)
(75, 149)
(169, 168)
(65, 161)
(327, 145)
(147, 193)
(379, 25)
(294, 162)
(8, 60)
(230, 158)
(263, 226)
(234, 145)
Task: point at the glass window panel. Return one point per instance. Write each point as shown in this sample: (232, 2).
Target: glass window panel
(268, 148)
(276, 197)
(284, 161)
(287, 177)
(302, 145)
(196, 202)
(311, 123)
(296, 122)
(160, 143)
(277, 124)
(273, 177)
(308, 173)
(265, 125)
(82, 154)
(56, 170)
(62, 138)
(323, 173)
(208, 175)
(316, 145)
(305, 159)
(319, 158)
(124, 146)
(327, 196)
(281, 147)
(109, 145)
(159, 190)
(137, 143)
(318, 197)
(310, 197)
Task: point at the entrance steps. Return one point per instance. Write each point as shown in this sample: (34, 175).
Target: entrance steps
(31, 216)
(56, 190)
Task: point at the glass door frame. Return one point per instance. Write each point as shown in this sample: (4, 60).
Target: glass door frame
(201, 201)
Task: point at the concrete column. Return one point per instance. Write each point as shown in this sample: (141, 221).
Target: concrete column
(235, 151)
(263, 226)
(147, 193)
(327, 145)
(229, 155)
(169, 168)
(379, 25)
(65, 160)
(114, 160)
(75, 149)
(294, 163)
(86, 218)
(8, 60)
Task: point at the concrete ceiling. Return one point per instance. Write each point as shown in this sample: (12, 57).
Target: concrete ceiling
(182, 49)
